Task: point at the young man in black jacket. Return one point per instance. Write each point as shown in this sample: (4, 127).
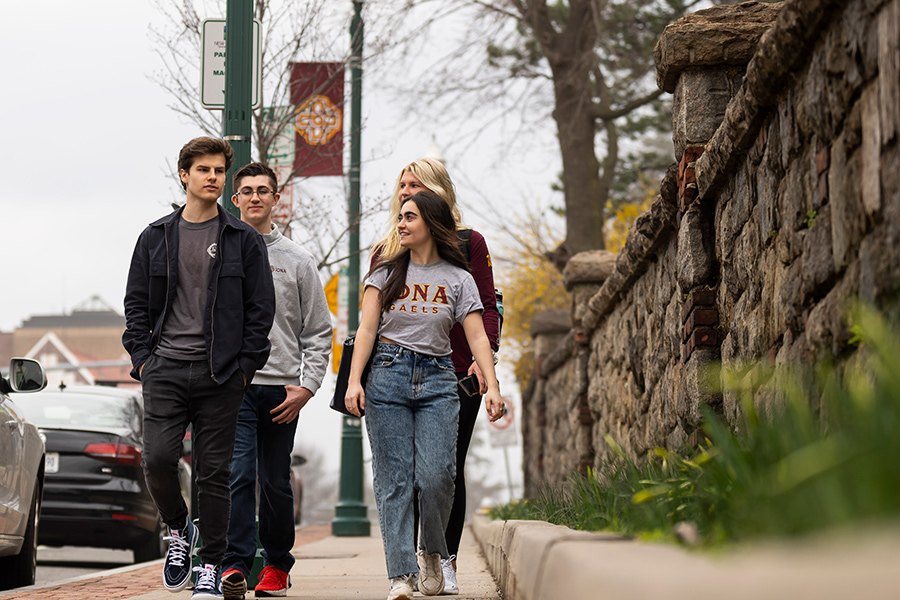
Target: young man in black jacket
(199, 304)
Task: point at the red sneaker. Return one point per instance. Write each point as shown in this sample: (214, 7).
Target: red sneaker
(234, 585)
(272, 583)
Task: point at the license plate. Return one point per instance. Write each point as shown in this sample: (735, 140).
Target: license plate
(51, 463)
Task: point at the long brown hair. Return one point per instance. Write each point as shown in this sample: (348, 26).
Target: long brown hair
(437, 215)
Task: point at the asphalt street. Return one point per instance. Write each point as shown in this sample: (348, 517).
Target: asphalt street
(66, 562)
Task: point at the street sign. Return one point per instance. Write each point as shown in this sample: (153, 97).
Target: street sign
(503, 430)
(212, 65)
(281, 158)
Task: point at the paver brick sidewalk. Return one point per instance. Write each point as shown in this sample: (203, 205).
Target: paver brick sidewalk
(130, 582)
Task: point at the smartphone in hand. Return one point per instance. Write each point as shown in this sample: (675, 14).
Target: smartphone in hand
(469, 385)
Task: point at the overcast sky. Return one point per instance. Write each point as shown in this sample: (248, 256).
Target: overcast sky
(88, 141)
(86, 146)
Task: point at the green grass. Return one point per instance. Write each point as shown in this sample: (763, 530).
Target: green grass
(828, 457)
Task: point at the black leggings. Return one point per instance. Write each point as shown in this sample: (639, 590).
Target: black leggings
(468, 414)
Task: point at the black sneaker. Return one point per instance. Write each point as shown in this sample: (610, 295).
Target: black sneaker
(177, 569)
(208, 584)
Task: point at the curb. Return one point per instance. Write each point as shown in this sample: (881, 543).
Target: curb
(520, 555)
(534, 560)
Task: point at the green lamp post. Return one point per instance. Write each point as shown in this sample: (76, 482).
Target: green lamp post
(350, 517)
(238, 87)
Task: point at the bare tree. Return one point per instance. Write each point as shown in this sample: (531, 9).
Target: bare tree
(309, 31)
(587, 64)
(290, 31)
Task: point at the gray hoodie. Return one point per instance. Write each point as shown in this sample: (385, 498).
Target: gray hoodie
(301, 333)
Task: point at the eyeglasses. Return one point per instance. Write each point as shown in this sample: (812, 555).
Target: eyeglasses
(263, 193)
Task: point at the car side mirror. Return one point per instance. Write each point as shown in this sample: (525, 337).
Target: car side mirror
(26, 375)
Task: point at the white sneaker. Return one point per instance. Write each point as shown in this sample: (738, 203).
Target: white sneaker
(401, 587)
(431, 577)
(450, 586)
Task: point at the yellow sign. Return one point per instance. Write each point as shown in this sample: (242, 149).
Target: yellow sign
(331, 294)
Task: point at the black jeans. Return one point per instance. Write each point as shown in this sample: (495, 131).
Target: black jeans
(176, 393)
(469, 407)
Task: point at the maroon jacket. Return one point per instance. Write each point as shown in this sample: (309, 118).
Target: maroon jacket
(480, 266)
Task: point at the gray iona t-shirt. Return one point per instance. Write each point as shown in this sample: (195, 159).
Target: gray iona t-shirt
(182, 336)
(436, 296)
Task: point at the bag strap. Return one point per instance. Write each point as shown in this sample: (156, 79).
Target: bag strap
(465, 239)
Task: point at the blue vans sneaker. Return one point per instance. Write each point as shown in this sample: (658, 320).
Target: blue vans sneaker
(177, 569)
(208, 584)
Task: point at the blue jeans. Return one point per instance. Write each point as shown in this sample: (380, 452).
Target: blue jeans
(262, 449)
(412, 411)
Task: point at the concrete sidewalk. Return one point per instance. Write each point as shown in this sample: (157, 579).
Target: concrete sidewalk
(327, 568)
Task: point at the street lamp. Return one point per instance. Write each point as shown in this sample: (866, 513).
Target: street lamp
(350, 517)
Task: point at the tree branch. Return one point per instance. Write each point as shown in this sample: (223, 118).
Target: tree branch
(607, 114)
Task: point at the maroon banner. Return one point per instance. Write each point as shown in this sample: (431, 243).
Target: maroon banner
(317, 93)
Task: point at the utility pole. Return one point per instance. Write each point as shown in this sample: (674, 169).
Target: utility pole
(235, 117)
(350, 514)
(238, 86)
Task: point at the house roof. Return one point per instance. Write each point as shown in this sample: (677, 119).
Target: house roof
(51, 343)
(78, 318)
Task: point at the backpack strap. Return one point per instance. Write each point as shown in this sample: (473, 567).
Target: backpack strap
(465, 239)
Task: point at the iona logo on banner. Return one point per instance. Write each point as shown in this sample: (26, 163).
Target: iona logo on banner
(318, 120)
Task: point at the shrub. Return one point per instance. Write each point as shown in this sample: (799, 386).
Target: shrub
(804, 469)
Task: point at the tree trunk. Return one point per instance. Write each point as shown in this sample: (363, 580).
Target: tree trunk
(570, 54)
(575, 127)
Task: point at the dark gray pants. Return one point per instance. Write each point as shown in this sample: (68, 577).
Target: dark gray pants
(176, 393)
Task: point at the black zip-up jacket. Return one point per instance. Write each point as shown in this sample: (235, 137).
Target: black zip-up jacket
(240, 300)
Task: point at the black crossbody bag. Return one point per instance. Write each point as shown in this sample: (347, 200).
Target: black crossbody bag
(343, 378)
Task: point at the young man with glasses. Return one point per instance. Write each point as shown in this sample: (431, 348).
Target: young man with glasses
(301, 343)
(199, 304)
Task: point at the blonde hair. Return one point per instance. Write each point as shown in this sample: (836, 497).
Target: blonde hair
(434, 176)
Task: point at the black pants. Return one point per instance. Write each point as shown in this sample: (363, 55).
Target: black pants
(469, 407)
(176, 393)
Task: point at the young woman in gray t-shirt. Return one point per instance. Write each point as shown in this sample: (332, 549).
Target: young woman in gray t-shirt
(411, 300)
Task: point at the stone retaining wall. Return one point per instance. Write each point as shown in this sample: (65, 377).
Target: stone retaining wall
(782, 206)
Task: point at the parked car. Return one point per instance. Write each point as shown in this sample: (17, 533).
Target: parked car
(95, 493)
(21, 476)
(297, 461)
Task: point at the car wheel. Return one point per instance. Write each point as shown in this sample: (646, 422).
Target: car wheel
(152, 547)
(21, 568)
